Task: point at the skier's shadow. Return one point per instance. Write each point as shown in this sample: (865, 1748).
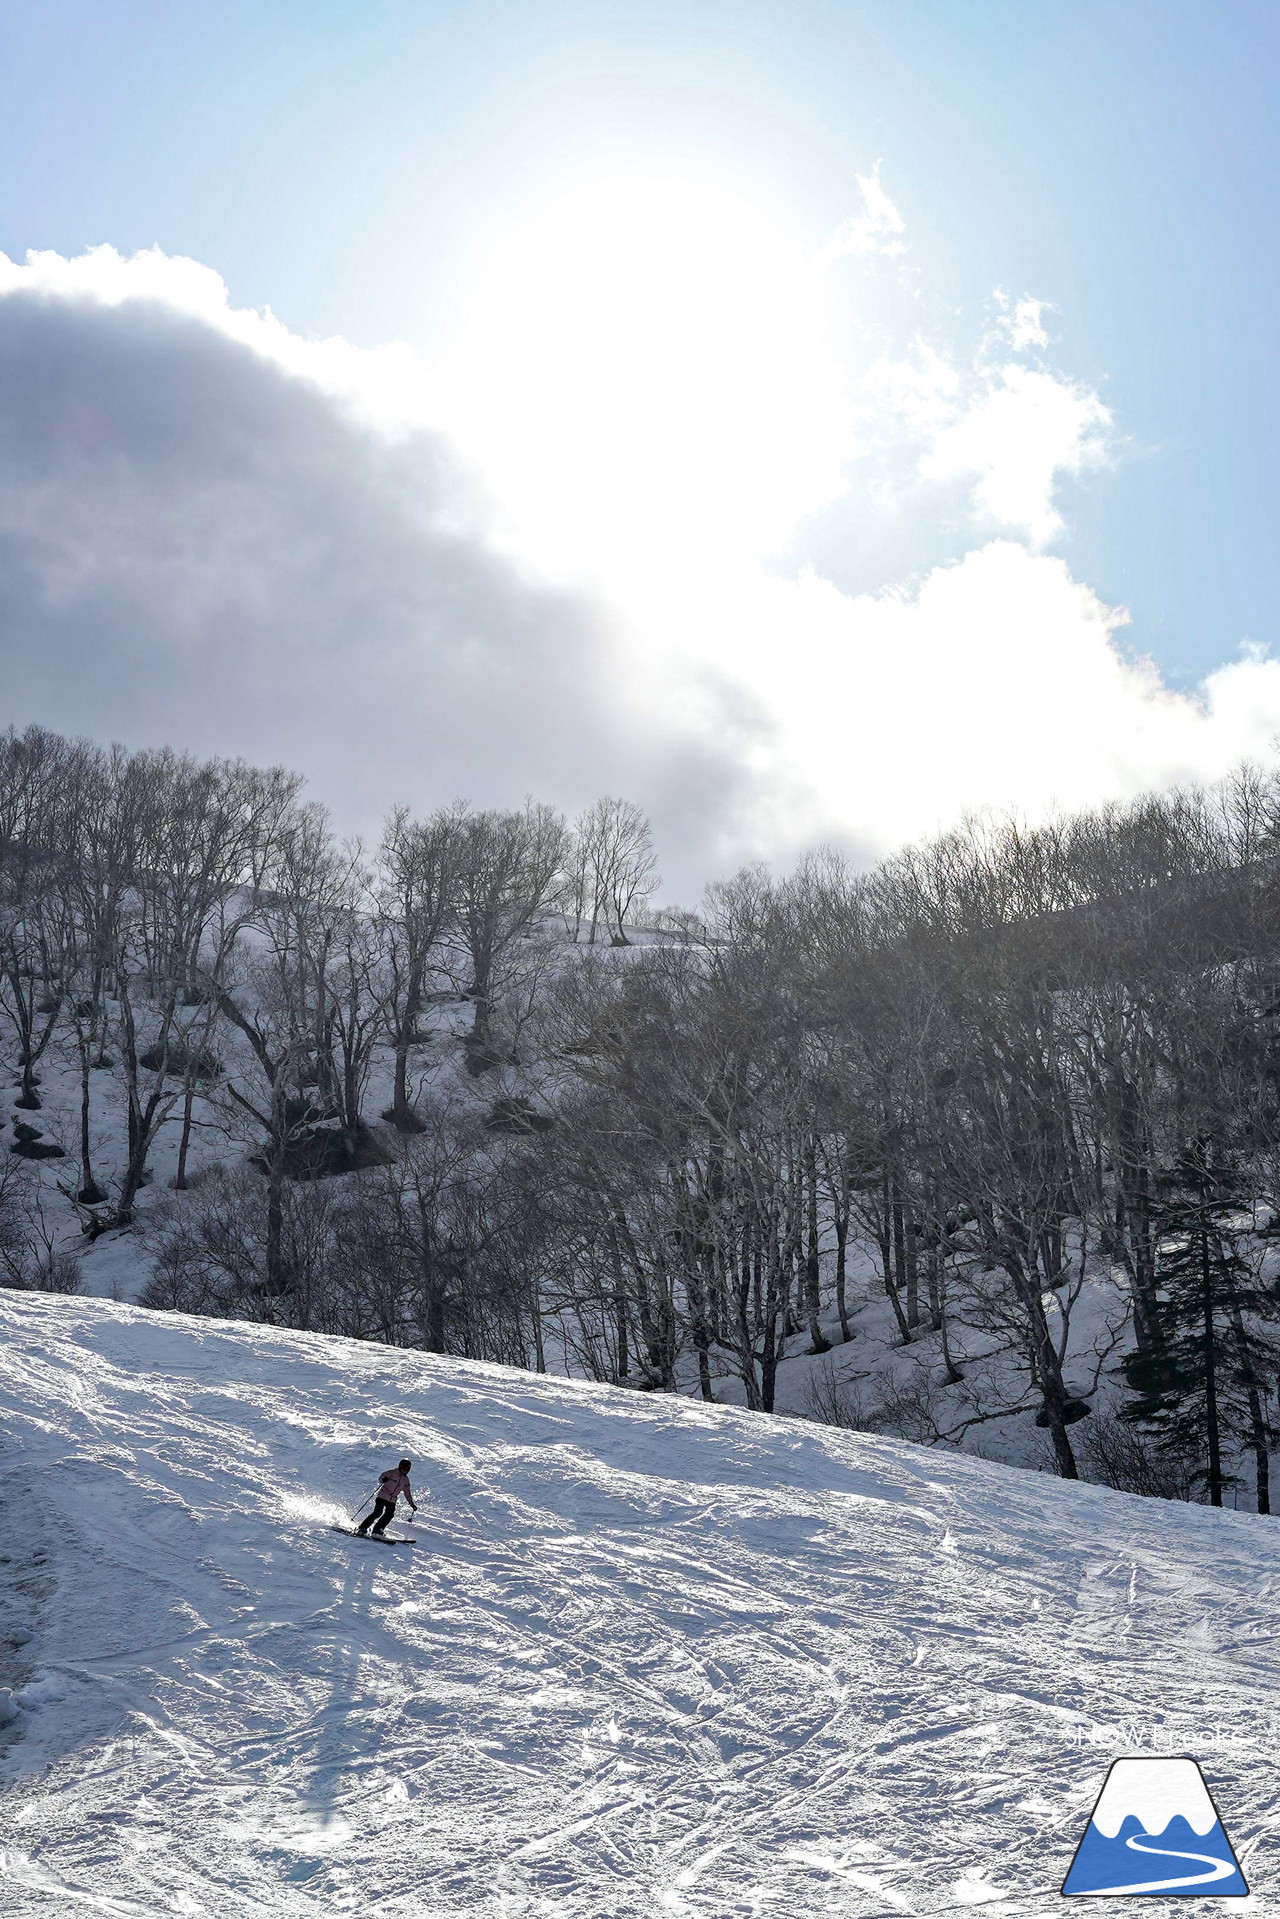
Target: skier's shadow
(349, 1725)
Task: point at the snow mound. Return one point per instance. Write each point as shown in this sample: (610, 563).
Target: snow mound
(650, 1657)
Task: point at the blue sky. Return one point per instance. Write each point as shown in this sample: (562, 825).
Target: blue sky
(354, 166)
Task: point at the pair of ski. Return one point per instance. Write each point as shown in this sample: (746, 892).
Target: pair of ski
(376, 1539)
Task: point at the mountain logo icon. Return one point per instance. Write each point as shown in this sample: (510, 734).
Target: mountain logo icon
(1155, 1830)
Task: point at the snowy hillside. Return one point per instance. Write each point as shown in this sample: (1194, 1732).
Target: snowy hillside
(648, 1656)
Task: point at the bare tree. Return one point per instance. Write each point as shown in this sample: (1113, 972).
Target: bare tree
(417, 885)
(34, 836)
(509, 875)
(612, 865)
(275, 992)
(198, 828)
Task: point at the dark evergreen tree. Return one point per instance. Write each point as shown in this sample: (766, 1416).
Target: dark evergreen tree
(1205, 1379)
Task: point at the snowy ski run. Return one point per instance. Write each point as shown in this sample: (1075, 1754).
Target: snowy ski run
(651, 1657)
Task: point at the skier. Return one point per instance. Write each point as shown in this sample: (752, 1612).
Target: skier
(390, 1485)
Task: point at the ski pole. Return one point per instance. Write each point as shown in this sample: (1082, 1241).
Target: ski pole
(363, 1503)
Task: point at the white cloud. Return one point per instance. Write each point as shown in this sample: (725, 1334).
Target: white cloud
(999, 681)
(1021, 321)
(389, 387)
(877, 230)
(215, 532)
(1014, 438)
(1003, 432)
(996, 681)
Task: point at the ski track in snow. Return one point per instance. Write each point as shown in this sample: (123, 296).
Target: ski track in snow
(650, 1657)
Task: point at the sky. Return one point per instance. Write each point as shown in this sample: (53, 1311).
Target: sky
(810, 420)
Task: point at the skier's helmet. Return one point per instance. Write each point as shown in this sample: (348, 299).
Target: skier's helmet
(405, 1465)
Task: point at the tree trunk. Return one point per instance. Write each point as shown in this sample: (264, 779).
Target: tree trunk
(812, 1256)
(769, 1361)
(1063, 1455)
(935, 1290)
(275, 1273)
(1048, 1371)
(536, 1311)
(842, 1263)
(403, 1118)
(953, 1374)
(29, 1099)
(435, 1309)
(1261, 1452)
(180, 1178)
(700, 1340)
(1134, 1223)
(479, 1044)
(887, 1260)
(777, 1311)
(1257, 1418)
(911, 1266)
(90, 1194)
(623, 1365)
(1212, 1431)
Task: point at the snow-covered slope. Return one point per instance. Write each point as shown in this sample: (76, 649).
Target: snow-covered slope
(648, 1657)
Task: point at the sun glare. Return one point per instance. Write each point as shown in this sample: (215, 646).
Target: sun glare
(647, 367)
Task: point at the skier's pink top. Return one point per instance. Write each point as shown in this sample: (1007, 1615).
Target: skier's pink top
(392, 1483)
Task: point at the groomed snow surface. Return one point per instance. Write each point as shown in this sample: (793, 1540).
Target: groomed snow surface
(648, 1657)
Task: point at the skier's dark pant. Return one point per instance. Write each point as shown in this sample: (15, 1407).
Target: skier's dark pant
(377, 1519)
